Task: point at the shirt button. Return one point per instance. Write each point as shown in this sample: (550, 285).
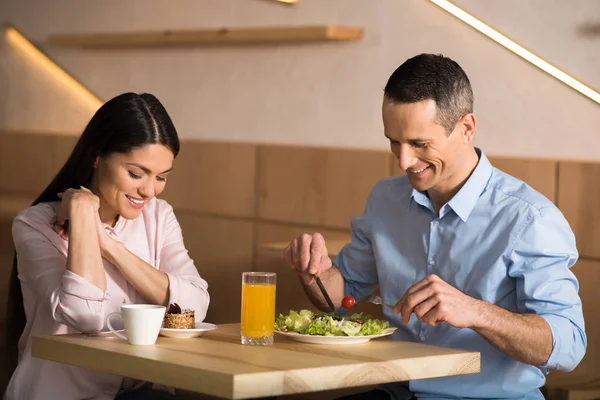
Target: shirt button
(435, 223)
(431, 262)
(124, 301)
(422, 338)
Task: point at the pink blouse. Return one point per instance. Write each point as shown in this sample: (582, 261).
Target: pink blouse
(58, 301)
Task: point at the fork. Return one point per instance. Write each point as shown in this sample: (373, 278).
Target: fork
(371, 298)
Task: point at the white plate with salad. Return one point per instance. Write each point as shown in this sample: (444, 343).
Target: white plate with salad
(307, 327)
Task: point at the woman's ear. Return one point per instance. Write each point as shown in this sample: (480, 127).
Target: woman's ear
(96, 162)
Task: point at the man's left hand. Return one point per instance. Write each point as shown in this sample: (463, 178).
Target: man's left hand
(434, 301)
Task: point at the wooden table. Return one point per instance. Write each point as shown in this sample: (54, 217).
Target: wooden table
(217, 364)
(333, 245)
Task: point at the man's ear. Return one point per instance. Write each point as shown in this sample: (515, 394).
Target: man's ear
(468, 125)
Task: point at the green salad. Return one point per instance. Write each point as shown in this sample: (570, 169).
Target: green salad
(307, 323)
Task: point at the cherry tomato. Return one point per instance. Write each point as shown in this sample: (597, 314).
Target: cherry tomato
(348, 302)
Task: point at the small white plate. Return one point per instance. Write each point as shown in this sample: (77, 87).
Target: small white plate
(201, 328)
(316, 339)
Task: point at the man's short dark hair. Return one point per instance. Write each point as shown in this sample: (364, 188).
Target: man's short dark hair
(433, 77)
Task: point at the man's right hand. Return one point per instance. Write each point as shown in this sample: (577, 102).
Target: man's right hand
(307, 255)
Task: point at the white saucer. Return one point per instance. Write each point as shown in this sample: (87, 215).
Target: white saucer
(201, 328)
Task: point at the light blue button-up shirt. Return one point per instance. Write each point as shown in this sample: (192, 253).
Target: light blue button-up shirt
(496, 240)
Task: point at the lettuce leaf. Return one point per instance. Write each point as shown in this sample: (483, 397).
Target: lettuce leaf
(307, 323)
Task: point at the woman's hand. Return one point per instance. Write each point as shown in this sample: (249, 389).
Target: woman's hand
(73, 201)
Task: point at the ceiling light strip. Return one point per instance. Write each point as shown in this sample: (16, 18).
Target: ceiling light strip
(518, 49)
(14, 37)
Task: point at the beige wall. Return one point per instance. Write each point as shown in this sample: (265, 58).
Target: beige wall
(316, 95)
(564, 33)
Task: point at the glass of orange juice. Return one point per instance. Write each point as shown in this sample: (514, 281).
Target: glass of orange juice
(258, 307)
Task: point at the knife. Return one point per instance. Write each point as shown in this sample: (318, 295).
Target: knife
(324, 292)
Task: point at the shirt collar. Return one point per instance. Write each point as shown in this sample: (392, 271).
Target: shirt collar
(421, 198)
(118, 225)
(464, 201)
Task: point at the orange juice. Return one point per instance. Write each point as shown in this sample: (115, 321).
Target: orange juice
(258, 309)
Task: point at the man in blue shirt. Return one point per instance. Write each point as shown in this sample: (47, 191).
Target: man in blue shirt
(471, 257)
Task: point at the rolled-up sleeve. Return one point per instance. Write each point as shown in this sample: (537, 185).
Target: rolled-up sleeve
(356, 261)
(540, 262)
(186, 287)
(72, 299)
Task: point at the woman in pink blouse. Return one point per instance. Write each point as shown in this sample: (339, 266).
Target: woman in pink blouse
(96, 238)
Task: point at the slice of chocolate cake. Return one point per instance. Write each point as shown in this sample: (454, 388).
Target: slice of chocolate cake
(176, 318)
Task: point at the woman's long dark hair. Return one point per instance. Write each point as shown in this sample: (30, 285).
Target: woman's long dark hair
(124, 123)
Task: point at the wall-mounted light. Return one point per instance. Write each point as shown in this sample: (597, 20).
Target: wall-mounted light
(19, 41)
(518, 49)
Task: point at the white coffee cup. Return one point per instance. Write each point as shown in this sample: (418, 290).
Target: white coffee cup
(142, 322)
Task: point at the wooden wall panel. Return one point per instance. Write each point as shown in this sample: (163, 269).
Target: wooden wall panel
(539, 174)
(26, 162)
(316, 186)
(222, 249)
(63, 146)
(6, 258)
(587, 374)
(13, 204)
(578, 194)
(216, 178)
(7, 250)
